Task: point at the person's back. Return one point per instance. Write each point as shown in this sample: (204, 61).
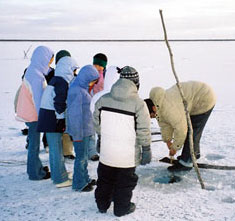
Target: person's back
(121, 119)
(78, 104)
(80, 126)
(27, 108)
(52, 117)
(200, 97)
(118, 119)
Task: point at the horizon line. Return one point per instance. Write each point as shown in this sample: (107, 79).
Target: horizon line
(114, 40)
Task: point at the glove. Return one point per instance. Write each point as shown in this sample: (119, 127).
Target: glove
(60, 125)
(98, 144)
(146, 155)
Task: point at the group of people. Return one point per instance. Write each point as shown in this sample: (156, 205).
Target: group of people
(101, 108)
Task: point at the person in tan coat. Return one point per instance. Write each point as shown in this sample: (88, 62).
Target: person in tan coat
(172, 119)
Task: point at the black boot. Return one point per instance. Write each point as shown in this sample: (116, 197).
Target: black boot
(131, 210)
(46, 168)
(177, 167)
(47, 176)
(95, 157)
(87, 188)
(93, 182)
(70, 157)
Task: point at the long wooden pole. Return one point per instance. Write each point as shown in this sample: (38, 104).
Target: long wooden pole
(185, 105)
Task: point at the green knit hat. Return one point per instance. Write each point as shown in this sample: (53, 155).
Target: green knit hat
(100, 59)
(61, 54)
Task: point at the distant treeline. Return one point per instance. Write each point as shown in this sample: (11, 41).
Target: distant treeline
(109, 40)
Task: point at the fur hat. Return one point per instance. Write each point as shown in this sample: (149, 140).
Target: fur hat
(131, 74)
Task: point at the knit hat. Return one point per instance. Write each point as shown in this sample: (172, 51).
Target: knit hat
(131, 74)
(61, 54)
(100, 59)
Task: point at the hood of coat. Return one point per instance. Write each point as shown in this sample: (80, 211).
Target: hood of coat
(111, 76)
(157, 95)
(86, 75)
(41, 57)
(65, 68)
(123, 89)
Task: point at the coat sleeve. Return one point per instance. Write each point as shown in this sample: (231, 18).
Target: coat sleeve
(173, 124)
(143, 132)
(180, 133)
(166, 131)
(61, 89)
(74, 116)
(96, 116)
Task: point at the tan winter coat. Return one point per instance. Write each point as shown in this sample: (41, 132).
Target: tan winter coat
(170, 109)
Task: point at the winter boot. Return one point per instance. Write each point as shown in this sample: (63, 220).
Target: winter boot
(47, 176)
(131, 210)
(46, 168)
(93, 182)
(87, 188)
(178, 167)
(67, 183)
(95, 157)
(70, 157)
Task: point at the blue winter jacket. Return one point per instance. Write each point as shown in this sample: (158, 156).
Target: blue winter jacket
(53, 103)
(79, 122)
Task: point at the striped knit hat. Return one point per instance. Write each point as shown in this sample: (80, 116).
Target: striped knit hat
(131, 74)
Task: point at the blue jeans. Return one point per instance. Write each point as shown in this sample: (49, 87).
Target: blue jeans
(80, 172)
(56, 158)
(34, 164)
(91, 147)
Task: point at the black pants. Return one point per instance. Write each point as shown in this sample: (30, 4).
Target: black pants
(198, 124)
(115, 184)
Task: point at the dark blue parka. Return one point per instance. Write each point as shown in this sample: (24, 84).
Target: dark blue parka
(53, 103)
(79, 121)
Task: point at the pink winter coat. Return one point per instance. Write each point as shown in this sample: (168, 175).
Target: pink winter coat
(34, 82)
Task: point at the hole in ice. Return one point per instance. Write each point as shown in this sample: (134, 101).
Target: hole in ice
(167, 179)
(210, 188)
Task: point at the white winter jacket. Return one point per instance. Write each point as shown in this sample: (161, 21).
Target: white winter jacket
(170, 109)
(122, 120)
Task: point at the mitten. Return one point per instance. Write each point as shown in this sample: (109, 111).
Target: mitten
(146, 155)
(98, 144)
(60, 125)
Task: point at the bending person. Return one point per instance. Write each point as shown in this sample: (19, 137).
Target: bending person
(172, 119)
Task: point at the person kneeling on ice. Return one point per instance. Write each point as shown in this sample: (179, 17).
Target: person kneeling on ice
(172, 120)
(80, 126)
(122, 123)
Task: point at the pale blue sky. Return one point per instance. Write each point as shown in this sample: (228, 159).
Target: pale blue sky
(116, 19)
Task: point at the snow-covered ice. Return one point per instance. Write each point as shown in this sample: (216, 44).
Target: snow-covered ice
(211, 62)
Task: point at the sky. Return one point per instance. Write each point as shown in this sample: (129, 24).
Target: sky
(116, 19)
